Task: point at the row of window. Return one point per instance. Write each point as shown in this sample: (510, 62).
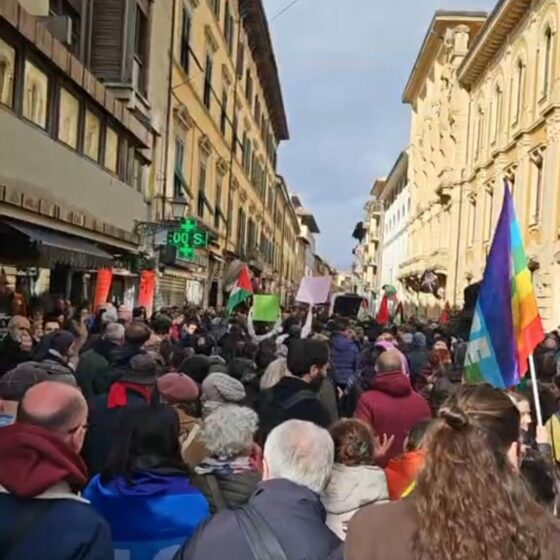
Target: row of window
(209, 96)
(47, 101)
(518, 91)
(485, 209)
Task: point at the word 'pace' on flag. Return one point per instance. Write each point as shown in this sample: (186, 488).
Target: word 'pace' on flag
(506, 326)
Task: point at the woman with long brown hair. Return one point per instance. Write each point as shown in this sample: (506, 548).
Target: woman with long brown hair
(469, 502)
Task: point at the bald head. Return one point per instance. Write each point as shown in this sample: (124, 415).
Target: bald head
(388, 361)
(52, 405)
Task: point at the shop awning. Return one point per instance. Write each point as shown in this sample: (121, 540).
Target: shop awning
(65, 249)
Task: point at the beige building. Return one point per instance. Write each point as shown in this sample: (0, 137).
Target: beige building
(436, 160)
(512, 74)
(227, 121)
(484, 96)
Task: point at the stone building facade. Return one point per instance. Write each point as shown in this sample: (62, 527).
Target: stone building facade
(512, 75)
(227, 121)
(485, 108)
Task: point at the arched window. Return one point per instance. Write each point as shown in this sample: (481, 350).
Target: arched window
(498, 111)
(3, 76)
(547, 62)
(519, 87)
(480, 132)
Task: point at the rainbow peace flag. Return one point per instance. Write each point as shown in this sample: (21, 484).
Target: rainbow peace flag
(506, 326)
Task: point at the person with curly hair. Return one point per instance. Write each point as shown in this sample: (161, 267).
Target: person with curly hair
(355, 482)
(469, 501)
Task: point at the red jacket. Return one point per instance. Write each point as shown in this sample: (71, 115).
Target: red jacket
(391, 407)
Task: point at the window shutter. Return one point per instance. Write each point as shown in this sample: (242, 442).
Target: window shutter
(107, 37)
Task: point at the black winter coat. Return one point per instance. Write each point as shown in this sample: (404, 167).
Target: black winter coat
(271, 409)
(294, 514)
(235, 489)
(104, 425)
(11, 354)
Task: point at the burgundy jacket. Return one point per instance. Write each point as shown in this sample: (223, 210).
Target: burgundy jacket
(392, 407)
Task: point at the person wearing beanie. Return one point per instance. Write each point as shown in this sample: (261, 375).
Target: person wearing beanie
(134, 389)
(13, 386)
(418, 355)
(218, 389)
(41, 475)
(53, 354)
(181, 392)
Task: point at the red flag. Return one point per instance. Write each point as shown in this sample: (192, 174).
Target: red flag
(383, 315)
(102, 287)
(445, 315)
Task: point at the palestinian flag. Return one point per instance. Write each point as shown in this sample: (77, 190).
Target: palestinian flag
(241, 291)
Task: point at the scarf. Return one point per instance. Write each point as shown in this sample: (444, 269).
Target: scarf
(34, 459)
(220, 466)
(118, 393)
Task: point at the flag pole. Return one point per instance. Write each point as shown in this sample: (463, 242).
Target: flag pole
(536, 398)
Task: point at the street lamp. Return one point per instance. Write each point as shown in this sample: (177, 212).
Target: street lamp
(179, 206)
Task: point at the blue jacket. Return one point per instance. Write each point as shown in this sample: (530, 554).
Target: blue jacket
(344, 356)
(294, 513)
(68, 529)
(153, 516)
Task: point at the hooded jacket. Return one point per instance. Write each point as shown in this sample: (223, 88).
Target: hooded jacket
(391, 407)
(39, 478)
(153, 515)
(294, 514)
(349, 489)
(344, 356)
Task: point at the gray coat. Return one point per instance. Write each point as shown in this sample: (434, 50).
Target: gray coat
(295, 516)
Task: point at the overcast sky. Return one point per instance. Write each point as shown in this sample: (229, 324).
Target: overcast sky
(343, 66)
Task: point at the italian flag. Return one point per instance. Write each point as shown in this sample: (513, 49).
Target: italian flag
(241, 291)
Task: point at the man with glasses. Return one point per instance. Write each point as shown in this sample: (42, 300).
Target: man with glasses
(41, 473)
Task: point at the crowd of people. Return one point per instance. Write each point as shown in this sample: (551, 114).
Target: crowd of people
(191, 435)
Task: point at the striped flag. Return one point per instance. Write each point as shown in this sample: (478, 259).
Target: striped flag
(506, 326)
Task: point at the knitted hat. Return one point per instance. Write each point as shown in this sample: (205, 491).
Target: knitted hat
(177, 388)
(222, 388)
(15, 382)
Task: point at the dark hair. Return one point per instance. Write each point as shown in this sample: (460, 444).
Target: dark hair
(161, 324)
(139, 313)
(60, 341)
(137, 333)
(304, 354)
(196, 367)
(266, 354)
(353, 442)
(545, 365)
(467, 469)
(416, 435)
(51, 319)
(148, 436)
